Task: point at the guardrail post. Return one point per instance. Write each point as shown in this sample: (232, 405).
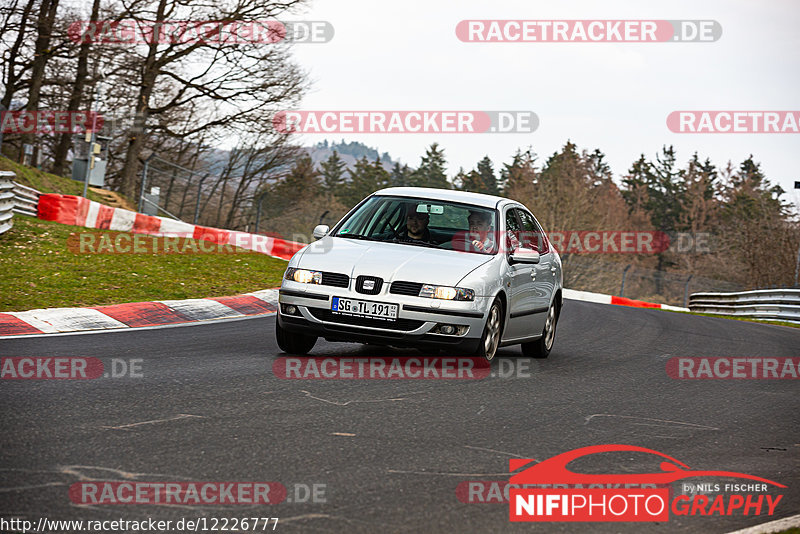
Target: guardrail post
(197, 202)
(624, 274)
(144, 184)
(3, 110)
(686, 291)
(259, 199)
(797, 267)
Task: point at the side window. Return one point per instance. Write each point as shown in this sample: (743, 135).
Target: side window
(378, 216)
(394, 220)
(532, 234)
(513, 231)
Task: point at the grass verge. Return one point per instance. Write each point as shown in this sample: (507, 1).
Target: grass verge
(738, 318)
(38, 271)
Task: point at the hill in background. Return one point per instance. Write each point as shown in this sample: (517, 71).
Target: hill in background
(350, 152)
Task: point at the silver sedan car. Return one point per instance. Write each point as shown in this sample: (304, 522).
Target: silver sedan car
(425, 268)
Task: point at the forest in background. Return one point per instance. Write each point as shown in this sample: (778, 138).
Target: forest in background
(748, 236)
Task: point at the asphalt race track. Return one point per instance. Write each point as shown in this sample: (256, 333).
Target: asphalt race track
(389, 454)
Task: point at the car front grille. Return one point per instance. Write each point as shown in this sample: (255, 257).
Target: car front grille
(353, 320)
(335, 279)
(373, 282)
(405, 288)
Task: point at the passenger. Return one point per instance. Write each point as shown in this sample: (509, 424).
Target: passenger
(478, 238)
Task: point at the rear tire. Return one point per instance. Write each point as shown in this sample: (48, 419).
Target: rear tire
(492, 332)
(292, 342)
(541, 347)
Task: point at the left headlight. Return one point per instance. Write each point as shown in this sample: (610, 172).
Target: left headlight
(446, 292)
(303, 276)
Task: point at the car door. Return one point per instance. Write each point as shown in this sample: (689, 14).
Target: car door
(544, 272)
(533, 309)
(519, 281)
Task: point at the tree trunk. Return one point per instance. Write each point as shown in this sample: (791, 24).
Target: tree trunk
(64, 141)
(137, 134)
(44, 28)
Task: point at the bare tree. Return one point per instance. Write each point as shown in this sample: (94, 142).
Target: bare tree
(41, 54)
(11, 55)
(230, 84)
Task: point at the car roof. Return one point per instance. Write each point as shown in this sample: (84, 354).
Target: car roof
(478, 199)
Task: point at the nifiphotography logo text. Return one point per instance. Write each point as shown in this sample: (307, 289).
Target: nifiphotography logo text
(576, 496)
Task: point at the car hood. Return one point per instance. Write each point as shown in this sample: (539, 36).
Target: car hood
(390, 261)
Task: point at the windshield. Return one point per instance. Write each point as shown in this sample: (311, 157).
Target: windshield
(423, 222)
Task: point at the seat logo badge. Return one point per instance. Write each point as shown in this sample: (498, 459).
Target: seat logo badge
(368, 285)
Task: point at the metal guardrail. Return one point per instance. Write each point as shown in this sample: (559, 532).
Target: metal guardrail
(777, 304)
(15, 198)
(6, 201)
(26, 200)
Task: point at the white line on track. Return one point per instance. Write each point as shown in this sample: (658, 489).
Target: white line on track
(773, 526)
(154, 421)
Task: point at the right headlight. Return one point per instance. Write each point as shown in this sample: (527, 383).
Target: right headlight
(446, 292)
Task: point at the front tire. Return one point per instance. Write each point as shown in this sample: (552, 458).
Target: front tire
(492, 331)
(292, 342)
(541, 347)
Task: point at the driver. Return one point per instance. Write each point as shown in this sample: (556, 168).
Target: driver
(416, 225)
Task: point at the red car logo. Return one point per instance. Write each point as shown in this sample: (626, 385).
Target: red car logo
(554, 470)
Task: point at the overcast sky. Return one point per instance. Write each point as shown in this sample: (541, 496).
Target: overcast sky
(613, 96)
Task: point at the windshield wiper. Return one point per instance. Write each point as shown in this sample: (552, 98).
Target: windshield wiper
(356, 236)
(409, 241)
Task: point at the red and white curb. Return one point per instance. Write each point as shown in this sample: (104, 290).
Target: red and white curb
(600, 298)
(173, 312)
(137, 314)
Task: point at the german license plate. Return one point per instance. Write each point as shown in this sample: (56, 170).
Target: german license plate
(364, 308)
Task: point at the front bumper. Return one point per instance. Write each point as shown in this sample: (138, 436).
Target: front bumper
(417, 318)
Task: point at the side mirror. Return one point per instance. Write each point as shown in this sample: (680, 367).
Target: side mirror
(320, 231)
(525, 255)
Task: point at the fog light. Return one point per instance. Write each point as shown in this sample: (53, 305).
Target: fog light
(289, 309)
(447, 329)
